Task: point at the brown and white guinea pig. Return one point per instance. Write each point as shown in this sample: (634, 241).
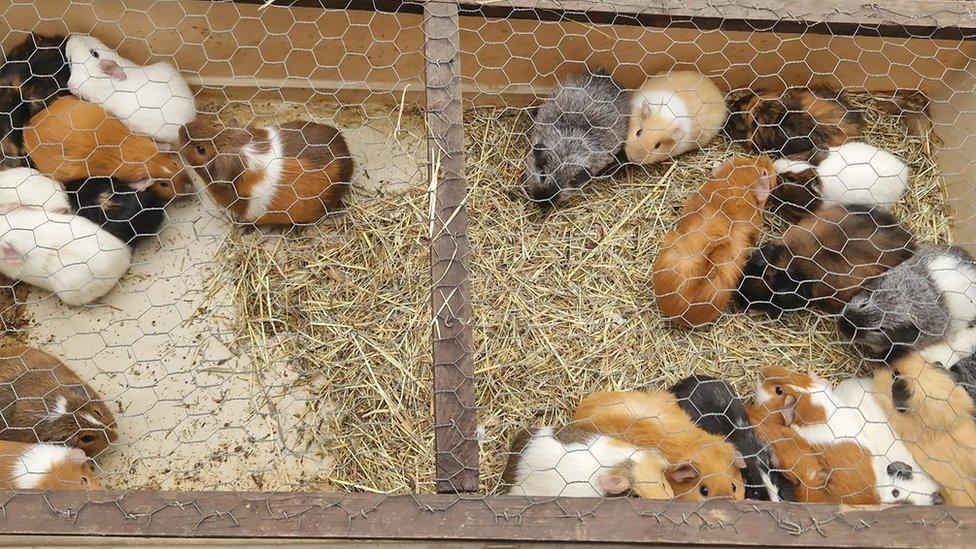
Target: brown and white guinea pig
(700, 263)
(933, 416)
(286, 175)
(42, 400)
(797, 122)
(570, 462)
(702, 465)
(43, 466)
(824, 260)
(72, 139)
(674, 113)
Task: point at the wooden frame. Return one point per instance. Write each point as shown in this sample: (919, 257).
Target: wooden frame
(471, 517)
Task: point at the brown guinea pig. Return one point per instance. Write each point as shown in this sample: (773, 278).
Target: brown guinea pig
(72, 139)
(286, 175)
(798, 121)
(824, 260)
(42, 400)
(42, 466)
(702, 465)
(700, 263)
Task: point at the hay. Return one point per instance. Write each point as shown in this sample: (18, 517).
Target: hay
(562, 304)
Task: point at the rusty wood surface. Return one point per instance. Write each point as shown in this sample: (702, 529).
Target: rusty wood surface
(436, 517)
(454, 393)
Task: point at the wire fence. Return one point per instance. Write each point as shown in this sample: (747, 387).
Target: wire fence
(352, 269)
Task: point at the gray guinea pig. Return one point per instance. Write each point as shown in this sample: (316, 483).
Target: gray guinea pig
(575, 136)
(926, 299)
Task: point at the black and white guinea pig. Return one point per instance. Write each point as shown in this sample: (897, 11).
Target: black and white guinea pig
(715, 407)
(126, 210)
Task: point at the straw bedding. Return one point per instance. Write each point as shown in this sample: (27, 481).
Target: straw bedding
(562, 304)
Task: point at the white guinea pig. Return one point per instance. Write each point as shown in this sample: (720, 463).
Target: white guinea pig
(65, 254)
(30, 187)
(153, 100)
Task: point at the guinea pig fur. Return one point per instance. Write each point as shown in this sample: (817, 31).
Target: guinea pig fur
(44, 467)
(34, 73)
(64, 254)
(702, 465)
(715, 407)
(571, 462)
(73, 139)
(824, 260)
(853, 173)
(798, 460)
(30, 187)
(575, 136)
(117, 207)
(672, 114)
(798, 121)
(153, 100)
(926, 299)
(933, 416)
(700, 263)
(287, 175)
(42, 400)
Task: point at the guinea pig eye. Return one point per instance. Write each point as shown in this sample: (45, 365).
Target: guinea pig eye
(658, 146)
(639, 132)
(98, 413)
(94, 54)
(703, 491)
(735, 488)
(201, 149)
(895, 493)
(88, 439)
(163, 183)
(779, 390)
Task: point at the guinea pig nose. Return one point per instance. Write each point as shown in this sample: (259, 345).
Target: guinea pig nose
(937, 499)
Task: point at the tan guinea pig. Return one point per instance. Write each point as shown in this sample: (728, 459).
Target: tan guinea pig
(72, 139)
(287, 175)
(44, 467)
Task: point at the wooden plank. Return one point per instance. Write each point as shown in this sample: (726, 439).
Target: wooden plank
(455, 419)
(905, 18)
(385, 6)
(499, 519)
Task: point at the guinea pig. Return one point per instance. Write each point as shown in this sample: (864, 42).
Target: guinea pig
(903, 480)
(73, 139)
(45, 467)
(30, 187)
(575, 136)
(798, 460)
(153, 100)
(64, 254)
(42, 400)
(700, 263)
(115, 206)
(924, 300)
(672, 114)
(809, 406)
(286, 175)
(824, 260)
(798, 121)
(571, 462)
(715, 407)
(34, 73)
(933, 416)
(853, 173)
(702, 465)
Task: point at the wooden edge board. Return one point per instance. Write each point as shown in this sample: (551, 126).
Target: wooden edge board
(455, 421)
(470, 517)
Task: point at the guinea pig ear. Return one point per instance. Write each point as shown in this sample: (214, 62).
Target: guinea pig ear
(789, 410)
(613, 482)
(77, 455)
(682, 472)
(645, 108)
(11, 255)
(764, 185)
(678, 134)
(141, 185)
(112, 69)
(738, 460)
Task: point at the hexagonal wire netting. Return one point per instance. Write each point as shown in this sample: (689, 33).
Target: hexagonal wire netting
(686, 252)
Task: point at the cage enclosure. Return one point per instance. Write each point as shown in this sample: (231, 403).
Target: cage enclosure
(363, 375)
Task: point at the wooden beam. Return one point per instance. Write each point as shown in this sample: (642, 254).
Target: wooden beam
(455, 419)
(950, 19)
(499, 519)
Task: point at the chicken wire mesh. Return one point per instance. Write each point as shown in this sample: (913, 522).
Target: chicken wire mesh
(786, 171)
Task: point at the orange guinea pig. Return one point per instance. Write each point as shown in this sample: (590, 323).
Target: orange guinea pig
(286, 175)
(701, 465)
(701, 260)
(72, 139)
(44, 466)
